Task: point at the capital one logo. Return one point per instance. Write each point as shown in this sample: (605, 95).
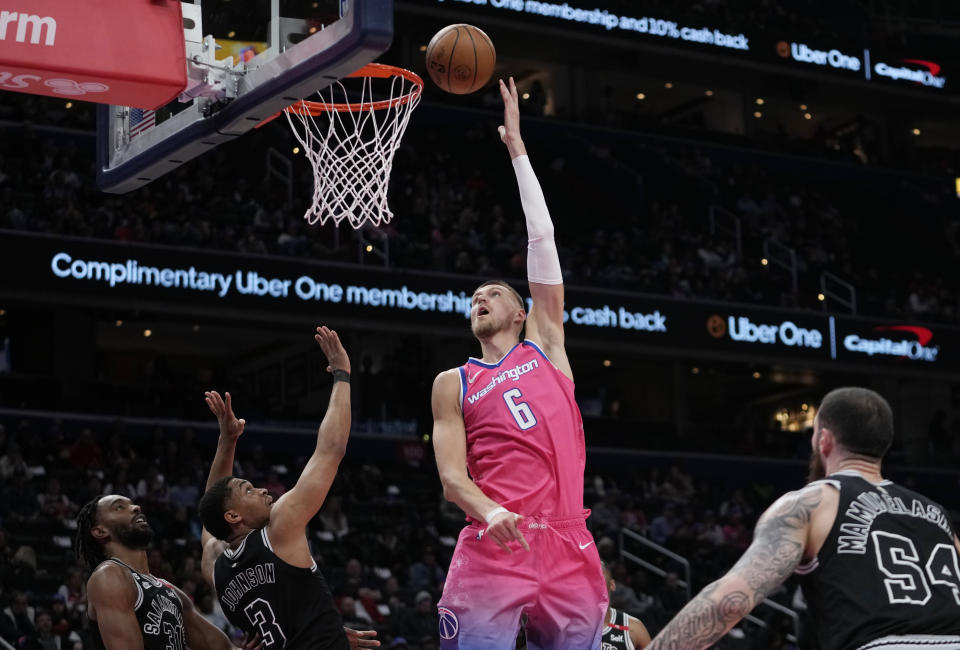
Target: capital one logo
(743, 330)
(918, 349)
(929, 76)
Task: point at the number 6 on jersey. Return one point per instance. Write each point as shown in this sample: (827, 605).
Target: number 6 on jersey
(519, 410)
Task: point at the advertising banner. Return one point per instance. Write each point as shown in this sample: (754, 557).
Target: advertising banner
(125, 53)
(46, 269)
(850, 58)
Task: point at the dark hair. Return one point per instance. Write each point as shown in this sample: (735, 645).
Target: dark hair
(860, 419)
(213, 504)
(503, 283)
(89, 550)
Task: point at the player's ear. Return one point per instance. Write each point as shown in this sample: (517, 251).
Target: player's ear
(100, 533)
(232, 516)
(827, 442)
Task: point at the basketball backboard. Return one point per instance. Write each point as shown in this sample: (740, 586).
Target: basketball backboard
(226, 97)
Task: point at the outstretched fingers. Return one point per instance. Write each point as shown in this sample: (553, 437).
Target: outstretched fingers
(333, 349)
(214, 402)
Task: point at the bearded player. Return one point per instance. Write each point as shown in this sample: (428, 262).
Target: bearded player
(879, 564)
(510, 451)
(131, 609)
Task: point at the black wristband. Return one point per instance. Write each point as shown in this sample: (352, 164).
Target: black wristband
(341, 375)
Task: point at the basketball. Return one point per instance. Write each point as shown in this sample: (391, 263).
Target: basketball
(460, 59)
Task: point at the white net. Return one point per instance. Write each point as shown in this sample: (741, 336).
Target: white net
(351, 144)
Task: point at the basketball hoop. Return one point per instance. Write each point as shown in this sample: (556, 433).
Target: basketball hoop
(352, 151)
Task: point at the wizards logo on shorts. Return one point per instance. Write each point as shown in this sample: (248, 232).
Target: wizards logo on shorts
(448, 623)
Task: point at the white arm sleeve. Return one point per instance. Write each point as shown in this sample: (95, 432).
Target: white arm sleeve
(543, 263)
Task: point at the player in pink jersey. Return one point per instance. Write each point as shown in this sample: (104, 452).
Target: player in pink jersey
(509, 443)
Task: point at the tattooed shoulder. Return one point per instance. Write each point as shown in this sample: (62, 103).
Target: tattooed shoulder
(792, 510)
(779, 540)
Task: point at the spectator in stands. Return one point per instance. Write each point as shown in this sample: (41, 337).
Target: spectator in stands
(735, 533)
(419, 627)
(710, 532)
(20, 616)
(63, 621)
(672, 596)
(606, 516)
(185, 493)
(53, 503)
(625, 597)
(355, 614)
(45, 638)
(120, 482)
(426, 573)
(12, 462)
(663, 525)
(333, 519)
(73, 592)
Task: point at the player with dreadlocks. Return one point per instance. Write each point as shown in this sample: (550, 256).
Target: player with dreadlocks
(132, 609)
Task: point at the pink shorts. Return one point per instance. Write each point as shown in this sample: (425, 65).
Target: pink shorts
(558, 584)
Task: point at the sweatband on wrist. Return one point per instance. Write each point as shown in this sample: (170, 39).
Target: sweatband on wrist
(341, 375)
(543, 262)
(493, 513)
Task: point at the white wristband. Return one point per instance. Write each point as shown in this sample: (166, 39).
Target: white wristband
(493, 513)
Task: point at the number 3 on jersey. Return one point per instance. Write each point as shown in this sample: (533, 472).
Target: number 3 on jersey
(260, 614)
(519, 410)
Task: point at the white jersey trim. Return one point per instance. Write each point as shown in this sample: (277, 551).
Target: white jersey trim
(481, 362)
(853, 472)
(626, 637)
(807, 567)
(234, 553)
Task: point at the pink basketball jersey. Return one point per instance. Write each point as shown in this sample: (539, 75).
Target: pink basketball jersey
(525, 446)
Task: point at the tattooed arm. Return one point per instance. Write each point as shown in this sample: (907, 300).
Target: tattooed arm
(778, 547)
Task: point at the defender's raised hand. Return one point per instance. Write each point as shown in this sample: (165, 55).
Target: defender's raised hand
(230, 426)
(333, 349)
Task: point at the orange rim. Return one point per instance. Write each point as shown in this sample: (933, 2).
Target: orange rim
(374, 70)
(377, 71)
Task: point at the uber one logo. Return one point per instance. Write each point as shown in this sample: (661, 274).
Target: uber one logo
(742, 329)
(803, 53)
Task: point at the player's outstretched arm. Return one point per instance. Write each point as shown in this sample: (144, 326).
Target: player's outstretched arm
(450, 449)
(231, 428)
(545, 321)
(294, 509)
(778, 547)
(111, 597)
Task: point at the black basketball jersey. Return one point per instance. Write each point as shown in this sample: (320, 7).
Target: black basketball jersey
(159, 613)
(888, 567)
(616, 633)
(291, 607)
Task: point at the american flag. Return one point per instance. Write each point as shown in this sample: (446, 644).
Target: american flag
(141, 120)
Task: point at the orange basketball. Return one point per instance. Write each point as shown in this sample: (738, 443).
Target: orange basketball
(460, 59)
